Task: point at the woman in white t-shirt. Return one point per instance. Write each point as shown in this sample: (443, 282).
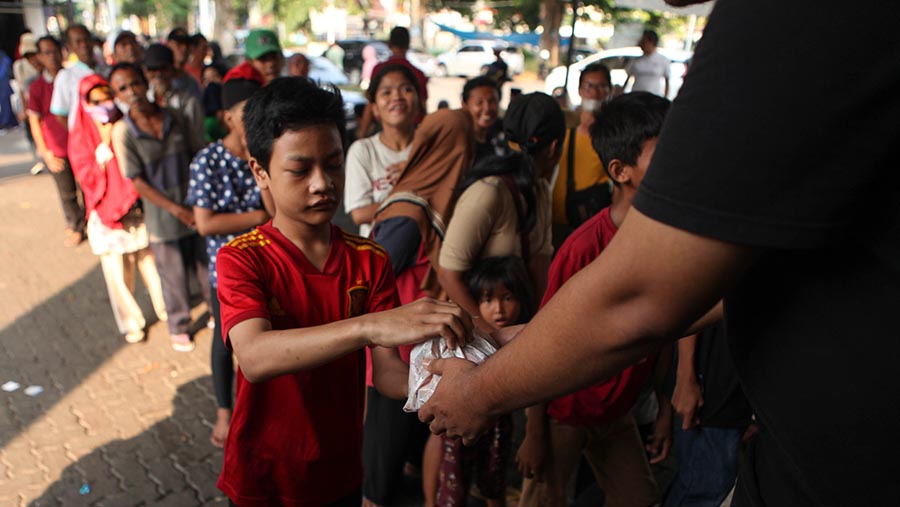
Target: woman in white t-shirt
(372, 161)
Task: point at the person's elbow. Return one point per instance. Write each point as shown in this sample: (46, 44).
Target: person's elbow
(395, 390)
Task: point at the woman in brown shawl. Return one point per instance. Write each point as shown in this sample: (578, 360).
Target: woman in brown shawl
(410, 224)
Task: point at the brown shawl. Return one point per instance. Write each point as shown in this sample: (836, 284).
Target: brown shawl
(442, 152)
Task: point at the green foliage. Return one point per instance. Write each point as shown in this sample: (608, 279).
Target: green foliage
(170, 13)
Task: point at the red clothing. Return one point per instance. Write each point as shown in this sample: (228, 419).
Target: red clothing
(613, 398)
(296, 440)
(420, 76)
(106, 190)
(55, 133)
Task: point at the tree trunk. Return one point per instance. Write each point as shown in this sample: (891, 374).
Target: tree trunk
(551, 19)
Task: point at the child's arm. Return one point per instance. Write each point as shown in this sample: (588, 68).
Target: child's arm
(364, 214)
(533, 451)
(150, 193)
(661, 444)
(265, 353)
(210, 222)
(389, 373)
(688, 397)
(454, 284)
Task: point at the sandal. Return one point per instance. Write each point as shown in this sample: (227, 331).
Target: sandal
(73, 238)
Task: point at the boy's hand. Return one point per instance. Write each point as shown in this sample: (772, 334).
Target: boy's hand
(687, 400)
(394, 171)
(661, 442)
(186, 215)
(531, 455)
(418, 321)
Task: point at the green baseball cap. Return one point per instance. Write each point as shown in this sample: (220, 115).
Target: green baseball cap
(260, 42)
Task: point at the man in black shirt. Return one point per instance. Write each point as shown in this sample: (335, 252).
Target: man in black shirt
(786, 202)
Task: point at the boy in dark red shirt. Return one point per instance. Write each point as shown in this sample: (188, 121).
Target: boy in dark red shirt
(298, 300)
(597, 421)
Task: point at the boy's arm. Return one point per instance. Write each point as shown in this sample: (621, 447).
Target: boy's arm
(661, 444)
(533, 451)
(150, 193)
(210, 222)
(688, 397)
(389, 373)
(265, 353)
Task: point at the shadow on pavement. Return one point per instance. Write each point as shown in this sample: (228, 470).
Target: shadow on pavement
(170, 464)
(57, 345)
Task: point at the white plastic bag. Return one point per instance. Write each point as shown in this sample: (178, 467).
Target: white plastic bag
(422, 382)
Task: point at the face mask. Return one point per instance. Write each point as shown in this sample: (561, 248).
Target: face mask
(104, 112)
(591, 105)
(122, 106)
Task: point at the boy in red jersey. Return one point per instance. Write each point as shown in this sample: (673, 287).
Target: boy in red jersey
(298, 304)
(597, 420)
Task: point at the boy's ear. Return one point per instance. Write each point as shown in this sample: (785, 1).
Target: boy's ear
(259, 174)
(619, 172)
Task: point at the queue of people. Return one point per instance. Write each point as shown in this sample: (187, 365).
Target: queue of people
(470, 219)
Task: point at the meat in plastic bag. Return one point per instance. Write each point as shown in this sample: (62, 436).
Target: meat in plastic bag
(422, 382)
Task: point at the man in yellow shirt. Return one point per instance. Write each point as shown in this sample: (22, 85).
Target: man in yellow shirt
(593, 87)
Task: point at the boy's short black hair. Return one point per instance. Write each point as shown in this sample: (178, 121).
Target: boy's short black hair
(595, 67)
(385, 70)
(127, 66)
(478, 82)
(511, 272)
(652, 36)
(624, 124)
(51, 39)
(399, 38)
(74, 27)
(289, 103)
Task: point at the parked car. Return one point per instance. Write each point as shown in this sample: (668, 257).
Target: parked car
(617, 60)
(347, 55)
(473, 57)
(323, 70)
(423, 61)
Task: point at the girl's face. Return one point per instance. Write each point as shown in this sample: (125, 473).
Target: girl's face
(500, 306)
(396, 100)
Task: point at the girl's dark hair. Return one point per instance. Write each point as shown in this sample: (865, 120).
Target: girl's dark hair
(518, 166)
(510, 271)
(289, 103)
(387, 69)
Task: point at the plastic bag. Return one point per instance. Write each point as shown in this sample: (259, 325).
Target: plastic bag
(422, 382)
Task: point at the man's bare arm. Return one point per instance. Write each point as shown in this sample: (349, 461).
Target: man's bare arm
(650, 284)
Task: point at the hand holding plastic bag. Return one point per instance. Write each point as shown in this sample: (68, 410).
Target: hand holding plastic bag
(422, 382)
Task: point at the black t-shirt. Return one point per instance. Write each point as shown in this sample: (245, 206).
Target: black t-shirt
(724, 403)
(786, 137)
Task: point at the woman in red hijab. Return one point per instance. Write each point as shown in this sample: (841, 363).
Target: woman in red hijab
(115, 222)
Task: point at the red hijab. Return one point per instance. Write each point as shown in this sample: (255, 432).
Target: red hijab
(105, 189)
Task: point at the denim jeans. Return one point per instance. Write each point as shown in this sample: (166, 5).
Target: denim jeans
(707, 466)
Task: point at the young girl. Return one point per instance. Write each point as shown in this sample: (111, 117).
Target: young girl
(396, 105)
(502, 288)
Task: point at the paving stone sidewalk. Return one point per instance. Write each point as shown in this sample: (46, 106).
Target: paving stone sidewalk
(116, 424)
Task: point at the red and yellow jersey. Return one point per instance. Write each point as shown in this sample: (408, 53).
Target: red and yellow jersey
(297, 439)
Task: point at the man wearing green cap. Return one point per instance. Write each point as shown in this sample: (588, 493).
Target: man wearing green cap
(264, 53)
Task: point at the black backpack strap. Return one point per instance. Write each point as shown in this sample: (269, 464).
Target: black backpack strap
(570, 171)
